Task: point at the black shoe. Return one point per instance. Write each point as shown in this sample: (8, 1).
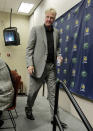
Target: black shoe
(64, 125)
(31, 117)
(1, 123)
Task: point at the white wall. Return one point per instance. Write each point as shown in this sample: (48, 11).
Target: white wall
(61, 7)
(17, 53)
(38, 18)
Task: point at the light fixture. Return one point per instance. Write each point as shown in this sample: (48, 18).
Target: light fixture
(25, 7)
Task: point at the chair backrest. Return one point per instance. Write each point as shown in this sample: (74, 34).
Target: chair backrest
(15, 80)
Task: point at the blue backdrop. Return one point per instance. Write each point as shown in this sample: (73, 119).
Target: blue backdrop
(76, 45)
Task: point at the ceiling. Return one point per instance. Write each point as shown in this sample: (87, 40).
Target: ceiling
(6, 5)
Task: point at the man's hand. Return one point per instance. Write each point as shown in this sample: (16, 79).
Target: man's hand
(30, 69)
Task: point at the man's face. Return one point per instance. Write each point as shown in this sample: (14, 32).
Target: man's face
(49, 18)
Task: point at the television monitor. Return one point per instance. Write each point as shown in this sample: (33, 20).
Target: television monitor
(11, 36)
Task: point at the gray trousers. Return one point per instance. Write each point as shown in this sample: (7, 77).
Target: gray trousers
(49, 76)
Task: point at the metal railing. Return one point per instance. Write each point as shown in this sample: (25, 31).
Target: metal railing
(56, 120)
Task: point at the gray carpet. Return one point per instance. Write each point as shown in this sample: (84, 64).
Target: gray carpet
(42, 115)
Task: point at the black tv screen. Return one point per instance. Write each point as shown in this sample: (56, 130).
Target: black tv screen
(11, 36)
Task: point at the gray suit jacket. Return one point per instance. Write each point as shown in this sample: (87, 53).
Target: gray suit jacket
(36, 51)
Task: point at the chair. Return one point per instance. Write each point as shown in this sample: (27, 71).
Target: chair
(20, 84)
(20, 88)
(15, 80)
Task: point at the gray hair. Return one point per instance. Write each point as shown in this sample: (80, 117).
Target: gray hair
(51, 10)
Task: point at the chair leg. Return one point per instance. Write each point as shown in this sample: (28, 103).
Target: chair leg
(16, 113)
(12, 119)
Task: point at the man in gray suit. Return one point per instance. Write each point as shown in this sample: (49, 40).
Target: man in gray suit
(41, 54)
